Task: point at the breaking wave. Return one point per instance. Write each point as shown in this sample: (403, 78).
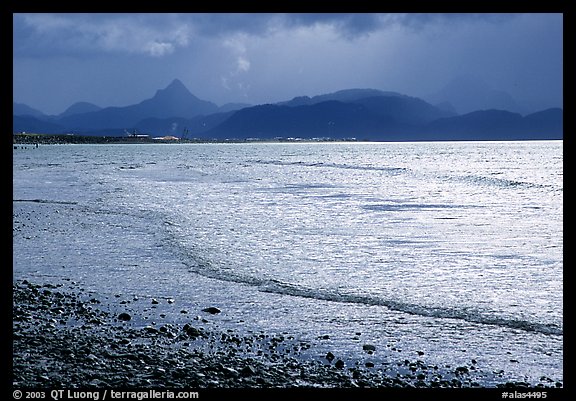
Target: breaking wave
(206, 269)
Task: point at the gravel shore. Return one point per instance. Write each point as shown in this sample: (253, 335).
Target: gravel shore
(63, 337)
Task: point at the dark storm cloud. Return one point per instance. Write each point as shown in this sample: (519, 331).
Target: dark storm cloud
(79, 34)
(90, 34)
(348, 24)
(119, 59)
(422, 20)
(161, 34)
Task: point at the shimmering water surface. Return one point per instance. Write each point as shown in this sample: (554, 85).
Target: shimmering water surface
(454, 249)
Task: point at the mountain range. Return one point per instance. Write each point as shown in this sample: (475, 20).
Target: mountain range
(363, 114)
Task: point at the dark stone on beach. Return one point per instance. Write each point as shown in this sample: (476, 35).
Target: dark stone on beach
(151, 330)
(124, 317)
(98, 383)
(155, 301)
(330, 356)
(192, 331)
(514, 385)
(456, 383)
(369, 347)
(461, 369)
(420, 353)
(339, 364)
(369, 364)
(248, 371)
(230, 372)
(212, 310)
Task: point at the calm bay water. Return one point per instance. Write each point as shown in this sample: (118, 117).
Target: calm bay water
(454, 249)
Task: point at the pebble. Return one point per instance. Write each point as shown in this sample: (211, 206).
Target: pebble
(462, 369)
(212, 310)
(248, 371)
(125, 317)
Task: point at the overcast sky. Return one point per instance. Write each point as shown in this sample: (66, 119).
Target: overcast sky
(122, 59)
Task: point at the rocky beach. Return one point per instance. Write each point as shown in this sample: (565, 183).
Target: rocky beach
(64, 337)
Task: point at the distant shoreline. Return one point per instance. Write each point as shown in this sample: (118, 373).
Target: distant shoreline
(60, 139)
(32, 139)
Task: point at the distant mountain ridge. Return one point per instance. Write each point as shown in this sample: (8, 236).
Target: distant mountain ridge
(20, 109)
(338, 120)
(468, 93)
(79, 108)
(173, 101)
(28, 123)
(499, 125)
(364, 114)
(345, 95)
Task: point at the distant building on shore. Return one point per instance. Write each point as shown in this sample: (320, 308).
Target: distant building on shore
(166, 138)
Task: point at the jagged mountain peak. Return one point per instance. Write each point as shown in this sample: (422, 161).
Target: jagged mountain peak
(176, 101)
(176, 85)
(176, 89)
(173, 101)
